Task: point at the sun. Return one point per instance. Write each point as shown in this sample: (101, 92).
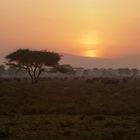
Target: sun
(90, 53)
(90, 43)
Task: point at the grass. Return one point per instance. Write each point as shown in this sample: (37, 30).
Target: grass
(98, 109)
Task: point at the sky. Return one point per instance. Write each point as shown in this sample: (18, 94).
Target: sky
(94, 28)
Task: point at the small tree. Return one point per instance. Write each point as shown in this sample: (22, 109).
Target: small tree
(33, 62)
(66, 69)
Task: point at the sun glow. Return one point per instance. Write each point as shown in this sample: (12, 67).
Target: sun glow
(90, 39)
(90, 53)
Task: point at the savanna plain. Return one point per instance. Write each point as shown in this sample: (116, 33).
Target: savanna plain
(64, 109)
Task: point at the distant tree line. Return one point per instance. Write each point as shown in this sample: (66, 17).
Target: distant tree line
(75, 72)
(34, 64)
(120, 72)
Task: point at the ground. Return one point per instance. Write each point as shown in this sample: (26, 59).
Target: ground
(98, 109)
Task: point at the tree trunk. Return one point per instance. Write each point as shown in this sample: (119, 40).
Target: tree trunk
(34, 75)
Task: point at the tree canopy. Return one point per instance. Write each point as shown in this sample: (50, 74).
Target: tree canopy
(66, 68)
(33, 61)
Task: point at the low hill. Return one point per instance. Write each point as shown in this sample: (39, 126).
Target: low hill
(88, 62)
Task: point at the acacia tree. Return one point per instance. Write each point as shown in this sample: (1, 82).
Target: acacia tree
(33, 62)
(66, 69)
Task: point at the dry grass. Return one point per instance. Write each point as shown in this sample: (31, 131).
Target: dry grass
(95, 109)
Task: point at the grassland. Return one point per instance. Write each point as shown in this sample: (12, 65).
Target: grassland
(98, 109)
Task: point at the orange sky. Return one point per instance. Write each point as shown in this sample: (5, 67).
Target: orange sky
(102, 28)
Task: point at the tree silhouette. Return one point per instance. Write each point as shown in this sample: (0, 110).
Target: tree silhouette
(33, 62)
(66, 69)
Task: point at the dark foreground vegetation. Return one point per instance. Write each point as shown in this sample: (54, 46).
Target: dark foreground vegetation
(98, 109)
